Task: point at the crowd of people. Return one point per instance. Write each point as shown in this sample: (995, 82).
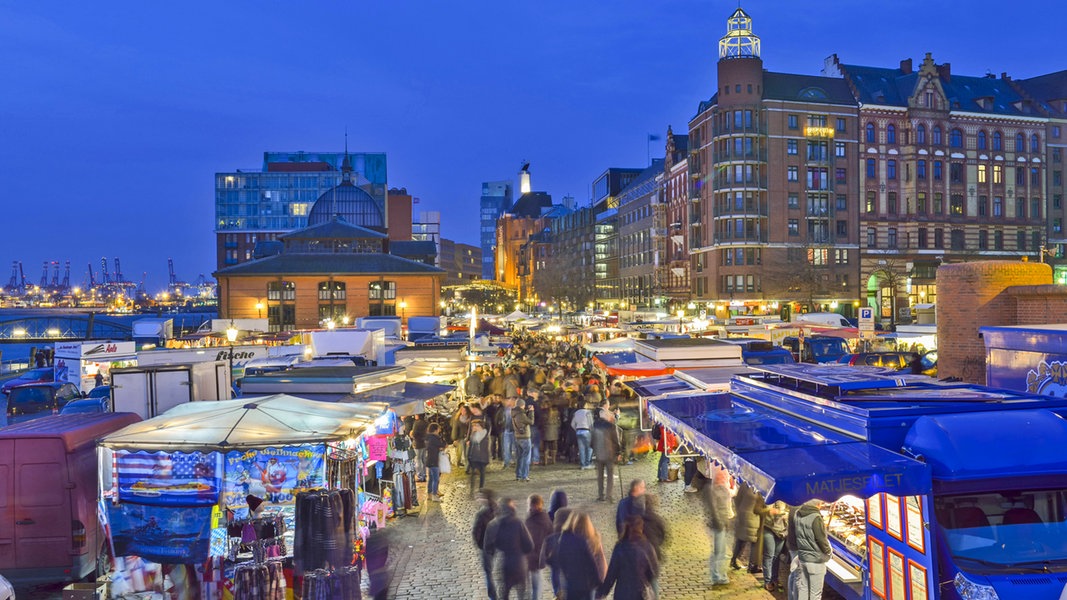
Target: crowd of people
(546, 403)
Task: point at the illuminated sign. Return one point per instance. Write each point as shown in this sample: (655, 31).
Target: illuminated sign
(819, 132)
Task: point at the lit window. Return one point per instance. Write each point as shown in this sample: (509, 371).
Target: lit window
(998, 174)
(981, 173)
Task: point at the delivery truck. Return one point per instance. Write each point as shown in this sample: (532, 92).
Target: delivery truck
(151, 390)
(927, 490)
(49, 530)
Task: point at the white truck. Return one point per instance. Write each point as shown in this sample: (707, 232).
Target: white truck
(152, 390)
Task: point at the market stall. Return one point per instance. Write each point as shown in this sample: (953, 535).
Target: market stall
(216, 500)
(80, 362)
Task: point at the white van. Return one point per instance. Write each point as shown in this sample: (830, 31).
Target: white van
(823, 319)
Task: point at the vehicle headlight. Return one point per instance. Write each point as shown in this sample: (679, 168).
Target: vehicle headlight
(970, 590)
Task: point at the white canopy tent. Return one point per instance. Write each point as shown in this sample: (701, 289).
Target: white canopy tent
(516, 316)
(278, 420)
(615, 345)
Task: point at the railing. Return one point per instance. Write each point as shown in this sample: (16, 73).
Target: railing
(730, 210)
(754, 238)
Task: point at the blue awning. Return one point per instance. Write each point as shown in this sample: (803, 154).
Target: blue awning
(617, 358)
(786, 459)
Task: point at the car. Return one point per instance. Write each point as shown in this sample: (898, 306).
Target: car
(7, 591)
(38, 375)
(87, 405)
(817, 348)
(893, 360)
(35, 400)
(100, 391)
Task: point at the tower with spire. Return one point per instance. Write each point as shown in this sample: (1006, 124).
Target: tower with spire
(740, 68)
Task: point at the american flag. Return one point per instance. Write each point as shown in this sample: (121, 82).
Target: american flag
(164, 478)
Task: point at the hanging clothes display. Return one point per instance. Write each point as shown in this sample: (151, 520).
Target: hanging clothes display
(265, 581)
(338, 584)
(323, 529)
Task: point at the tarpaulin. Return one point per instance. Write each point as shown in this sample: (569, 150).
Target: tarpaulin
(169, 478)
(162, 534)
(274, 474)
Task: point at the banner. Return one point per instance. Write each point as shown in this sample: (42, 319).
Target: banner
(275, 475)
(377, 446)
(169, 478)
(162, 534)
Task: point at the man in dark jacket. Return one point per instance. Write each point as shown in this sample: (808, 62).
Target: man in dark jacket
(418, 441)
(606, 447)
(485, 515)
(508, 535)
(807, 533)
(472, 385)
(434, 446)
(540, 527)
(632, 505)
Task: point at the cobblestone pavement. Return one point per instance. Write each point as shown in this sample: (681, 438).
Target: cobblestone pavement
(433, 555)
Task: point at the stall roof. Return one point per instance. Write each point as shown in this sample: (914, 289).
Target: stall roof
(614, 345)
(831, 376)
(277, 420)
(651, 387)
(784, 458)
(412, 402)
(615, 358)
(968, 446)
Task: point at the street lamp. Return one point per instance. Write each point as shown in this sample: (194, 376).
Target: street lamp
(231, 336)
(259, 310)
(403, 309)
(330, 324)
(681, 315)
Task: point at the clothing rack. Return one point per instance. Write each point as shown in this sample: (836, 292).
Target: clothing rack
(335, 584)
(263, 581)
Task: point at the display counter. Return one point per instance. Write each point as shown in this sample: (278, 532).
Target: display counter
(846, 527)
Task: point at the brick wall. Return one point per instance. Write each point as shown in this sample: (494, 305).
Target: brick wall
(970, 295)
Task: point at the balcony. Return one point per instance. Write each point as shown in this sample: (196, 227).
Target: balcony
(757, 156)
(734, 240)
(730, 210)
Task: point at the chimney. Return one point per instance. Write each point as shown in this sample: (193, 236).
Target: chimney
(905, 66)
(945, 71)
(1004, 75)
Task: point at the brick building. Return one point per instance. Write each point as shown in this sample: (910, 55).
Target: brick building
(642, 242)
(676, 197)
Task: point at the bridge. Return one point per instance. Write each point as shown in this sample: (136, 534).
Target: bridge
(54, 327)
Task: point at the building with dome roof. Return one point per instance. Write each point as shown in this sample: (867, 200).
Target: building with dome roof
(349, 202)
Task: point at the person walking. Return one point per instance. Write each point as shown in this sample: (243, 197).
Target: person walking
(717, 501)
(460, 431)
(775, 522)
(419, 430)
(807, 533)
(504, 419)
(746, 529)
(633, 505)
(581, 558)
(472, 385)
(549, 551)
(665, 442)
(478, 454)
(605, 442)
(556, 501)
(633, 565)
(522, 423)
(582, 423)
(551, 435)
(508, 535)
(434, 446)
(485, 515)
(539, 524)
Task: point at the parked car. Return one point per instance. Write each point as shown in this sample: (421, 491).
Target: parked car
(100, 391)
(893, 360)
(35, 400)
(817, 348)
(86, 405)
(38, 375)
(7, 591)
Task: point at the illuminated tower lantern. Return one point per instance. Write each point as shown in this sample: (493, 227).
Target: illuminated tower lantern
(739, 41)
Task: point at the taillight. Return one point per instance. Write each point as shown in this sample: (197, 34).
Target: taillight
(77, 534)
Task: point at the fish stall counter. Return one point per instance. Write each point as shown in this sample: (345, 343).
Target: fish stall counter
(927, 491)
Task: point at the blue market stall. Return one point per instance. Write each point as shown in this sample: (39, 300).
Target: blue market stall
(927, 489)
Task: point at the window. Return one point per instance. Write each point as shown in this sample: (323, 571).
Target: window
(1020, 208)
(891, 169)
(998, 174)
(939, 238)
(1057, 201)
(870, 133)
(819, 256)
(818, 178)
(1020, 143)
(890, 134)
(839, 149)
(748, 114)
(840, 176)
(872, 167)
(939, 203)
(1057, 178)
(1035, 177)
(956, 205)
(794, 227)
(998, 141)
(1020, 176)
(1057, 225)
(841, 258)
(998, 240)
(938, 170)
(1056, 131)
(382, 290)
(1020, 240)
(818, 151)
(981, 140)
(1057, 155)
(920, 203)
(920, 169)
(955, 138)
(956, 239)
(955, 172)
(982, 174)
(842, 229)
(892, 238)
(331, 290)
(872, 237)
(998, 206)
(793, 174)
(983, 240)
(923, 241)
(841, 125)
(920, 134)
(842, 202)
(281, 291)
(794, 122)
(871, 202)
(936, 133)
(892, 203)
(793, 201)
(816, 120)
(983, 206)
(791, 147)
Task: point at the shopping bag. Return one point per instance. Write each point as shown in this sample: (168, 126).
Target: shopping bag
(444, 463)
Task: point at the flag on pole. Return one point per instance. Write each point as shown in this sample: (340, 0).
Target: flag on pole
(653, 137)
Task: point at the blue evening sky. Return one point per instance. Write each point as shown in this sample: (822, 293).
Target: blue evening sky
(114, 116)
